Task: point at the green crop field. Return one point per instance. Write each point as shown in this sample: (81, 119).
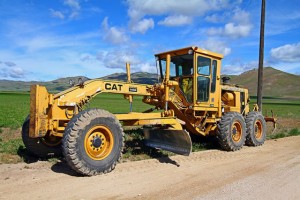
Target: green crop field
(14, 107)
(283, 108)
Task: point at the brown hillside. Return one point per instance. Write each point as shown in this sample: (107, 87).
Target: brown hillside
(276, 83)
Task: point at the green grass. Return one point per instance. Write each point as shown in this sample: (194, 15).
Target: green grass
(14, 108)
(115, 103)
(11, 146)
(292, 132)
(284, 108)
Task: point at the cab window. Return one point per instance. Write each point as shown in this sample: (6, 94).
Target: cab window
(179, 66)
(214, 76)
(203, 89)
(204, 66)
(203, 79)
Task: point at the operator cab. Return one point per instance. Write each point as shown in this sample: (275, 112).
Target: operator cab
(197, 71)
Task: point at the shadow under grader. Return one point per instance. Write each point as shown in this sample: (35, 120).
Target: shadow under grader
(27, 156)
(63, 168)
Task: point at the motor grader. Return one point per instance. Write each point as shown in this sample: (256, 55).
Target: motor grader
(189, 98)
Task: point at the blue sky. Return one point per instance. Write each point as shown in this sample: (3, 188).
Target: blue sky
(45, 40)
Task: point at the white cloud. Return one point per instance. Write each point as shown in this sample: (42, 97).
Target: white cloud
(237, 67)
(86, 57)
(147, 67)
(176, 20)
(231, 30)
(216, 46)
(117, 59)
(214, 18)
(73, 10)
(237, 31)
(142, 26)
(238, 27)
(56, 63)
(74, 14)
(56, 14)
(16, 72)
(138, 9)
(74, 4)
(286, 53)
(9, 64)
(241, 16)
(10, 70)
(113, 34)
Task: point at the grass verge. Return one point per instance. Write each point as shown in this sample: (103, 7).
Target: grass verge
(292, 132)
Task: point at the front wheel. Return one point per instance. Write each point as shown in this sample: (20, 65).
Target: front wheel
(256, 129)
(93, 142)
(231, 132)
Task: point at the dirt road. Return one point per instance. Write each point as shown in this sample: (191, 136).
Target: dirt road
(268, 172)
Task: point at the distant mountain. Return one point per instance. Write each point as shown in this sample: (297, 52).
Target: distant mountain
(63, 83)
(52, 86)
(276, 83)
(138, 77)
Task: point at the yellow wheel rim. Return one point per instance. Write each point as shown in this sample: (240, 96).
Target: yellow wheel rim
(98, 142)
(236, 131)
(258, 130)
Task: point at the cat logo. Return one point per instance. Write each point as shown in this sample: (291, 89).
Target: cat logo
(113, 86)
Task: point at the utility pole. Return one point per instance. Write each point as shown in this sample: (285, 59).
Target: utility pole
(261, 56)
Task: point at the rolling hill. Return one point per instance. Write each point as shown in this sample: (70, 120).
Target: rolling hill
(276, 83)
(53, 86)
(138, 77)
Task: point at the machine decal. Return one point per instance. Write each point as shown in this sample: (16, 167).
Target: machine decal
(112, 86)
(132, 89)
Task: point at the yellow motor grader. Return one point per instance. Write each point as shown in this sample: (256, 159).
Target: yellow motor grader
(189, 98)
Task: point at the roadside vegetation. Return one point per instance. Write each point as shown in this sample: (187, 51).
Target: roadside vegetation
(14, 108)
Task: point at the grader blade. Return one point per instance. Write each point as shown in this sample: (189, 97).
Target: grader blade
(176, 141)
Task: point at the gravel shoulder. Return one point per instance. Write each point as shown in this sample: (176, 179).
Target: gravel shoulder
(271, 171)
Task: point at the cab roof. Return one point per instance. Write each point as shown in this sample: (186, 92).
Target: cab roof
(185, 51)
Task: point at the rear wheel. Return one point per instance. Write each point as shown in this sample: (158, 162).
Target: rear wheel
(48, 146)
(256, 129)
(93, 142)
(231, 132)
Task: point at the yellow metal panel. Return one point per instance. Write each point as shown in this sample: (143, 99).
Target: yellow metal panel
(91, 88)
(39, 99)
(137, 116)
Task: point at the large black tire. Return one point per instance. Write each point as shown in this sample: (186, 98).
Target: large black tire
(41, 147)
(93, 142)
(231, 131)
(256, 129)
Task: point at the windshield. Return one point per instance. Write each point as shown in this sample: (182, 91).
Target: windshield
(179, 66)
